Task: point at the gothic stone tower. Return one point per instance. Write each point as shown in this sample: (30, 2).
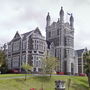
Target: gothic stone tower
(61, 35)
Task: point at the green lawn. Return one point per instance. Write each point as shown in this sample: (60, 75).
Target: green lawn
(10, 75)
(77, 83)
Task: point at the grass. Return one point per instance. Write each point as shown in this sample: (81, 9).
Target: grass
(10, 75)
(77, 83)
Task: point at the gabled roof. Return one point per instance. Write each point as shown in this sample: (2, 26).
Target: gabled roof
(79, 52)
(26, 34)
(37, 31)
(17, 35)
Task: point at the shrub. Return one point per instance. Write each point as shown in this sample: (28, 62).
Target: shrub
(60, 73)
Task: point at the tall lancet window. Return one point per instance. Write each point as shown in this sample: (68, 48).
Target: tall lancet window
(57, 31)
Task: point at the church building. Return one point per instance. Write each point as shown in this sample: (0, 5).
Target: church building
(60, 34)
(30, 47)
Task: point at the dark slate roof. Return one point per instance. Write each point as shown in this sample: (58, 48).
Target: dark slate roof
(79, 52)
(17, 35)
(26, 34)
(37, 31)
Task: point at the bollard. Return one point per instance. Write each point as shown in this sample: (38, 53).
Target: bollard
(60, 85)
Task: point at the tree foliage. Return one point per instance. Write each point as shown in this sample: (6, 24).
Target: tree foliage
(49, 64)
(3, 65)
(87, 65)
(2, 57)
(27, 69)
(87, 62)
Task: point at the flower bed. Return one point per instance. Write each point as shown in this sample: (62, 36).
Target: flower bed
(60, 73)
(82, 74)
(32, 89)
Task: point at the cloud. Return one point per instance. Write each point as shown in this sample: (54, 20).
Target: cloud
(81, 2)
(25, 15)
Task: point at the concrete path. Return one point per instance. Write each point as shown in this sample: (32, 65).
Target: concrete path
(2, 78)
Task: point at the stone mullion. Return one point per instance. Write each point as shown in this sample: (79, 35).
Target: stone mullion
(27, 50)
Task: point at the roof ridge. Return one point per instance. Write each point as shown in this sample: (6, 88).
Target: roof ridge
(27, 32)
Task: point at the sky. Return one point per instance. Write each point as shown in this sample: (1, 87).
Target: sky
(26, 15)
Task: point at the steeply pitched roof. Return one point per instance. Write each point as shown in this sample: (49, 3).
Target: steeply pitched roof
(37, 31)
(26, 34)
(79, 52)
(17, 35)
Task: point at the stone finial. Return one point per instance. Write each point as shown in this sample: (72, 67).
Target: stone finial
(48, 19)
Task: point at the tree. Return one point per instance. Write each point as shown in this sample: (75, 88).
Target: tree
(3, 66)
(49, 64)
(87, 65)
(27, 69)
(2, 58)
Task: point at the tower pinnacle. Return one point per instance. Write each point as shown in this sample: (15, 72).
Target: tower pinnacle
(48, 19)
(71, 20)
(61, 15)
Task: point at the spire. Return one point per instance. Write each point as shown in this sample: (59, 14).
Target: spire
(48, 19)
(61, 14)
(71, 20)
(48, 16)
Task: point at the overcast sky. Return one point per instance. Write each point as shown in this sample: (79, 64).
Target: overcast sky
(26, 15)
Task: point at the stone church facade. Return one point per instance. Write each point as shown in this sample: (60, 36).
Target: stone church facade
(26, 48)
(30, 47)
(61, 36)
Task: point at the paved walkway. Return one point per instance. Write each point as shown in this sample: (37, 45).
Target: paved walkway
(2, 78)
